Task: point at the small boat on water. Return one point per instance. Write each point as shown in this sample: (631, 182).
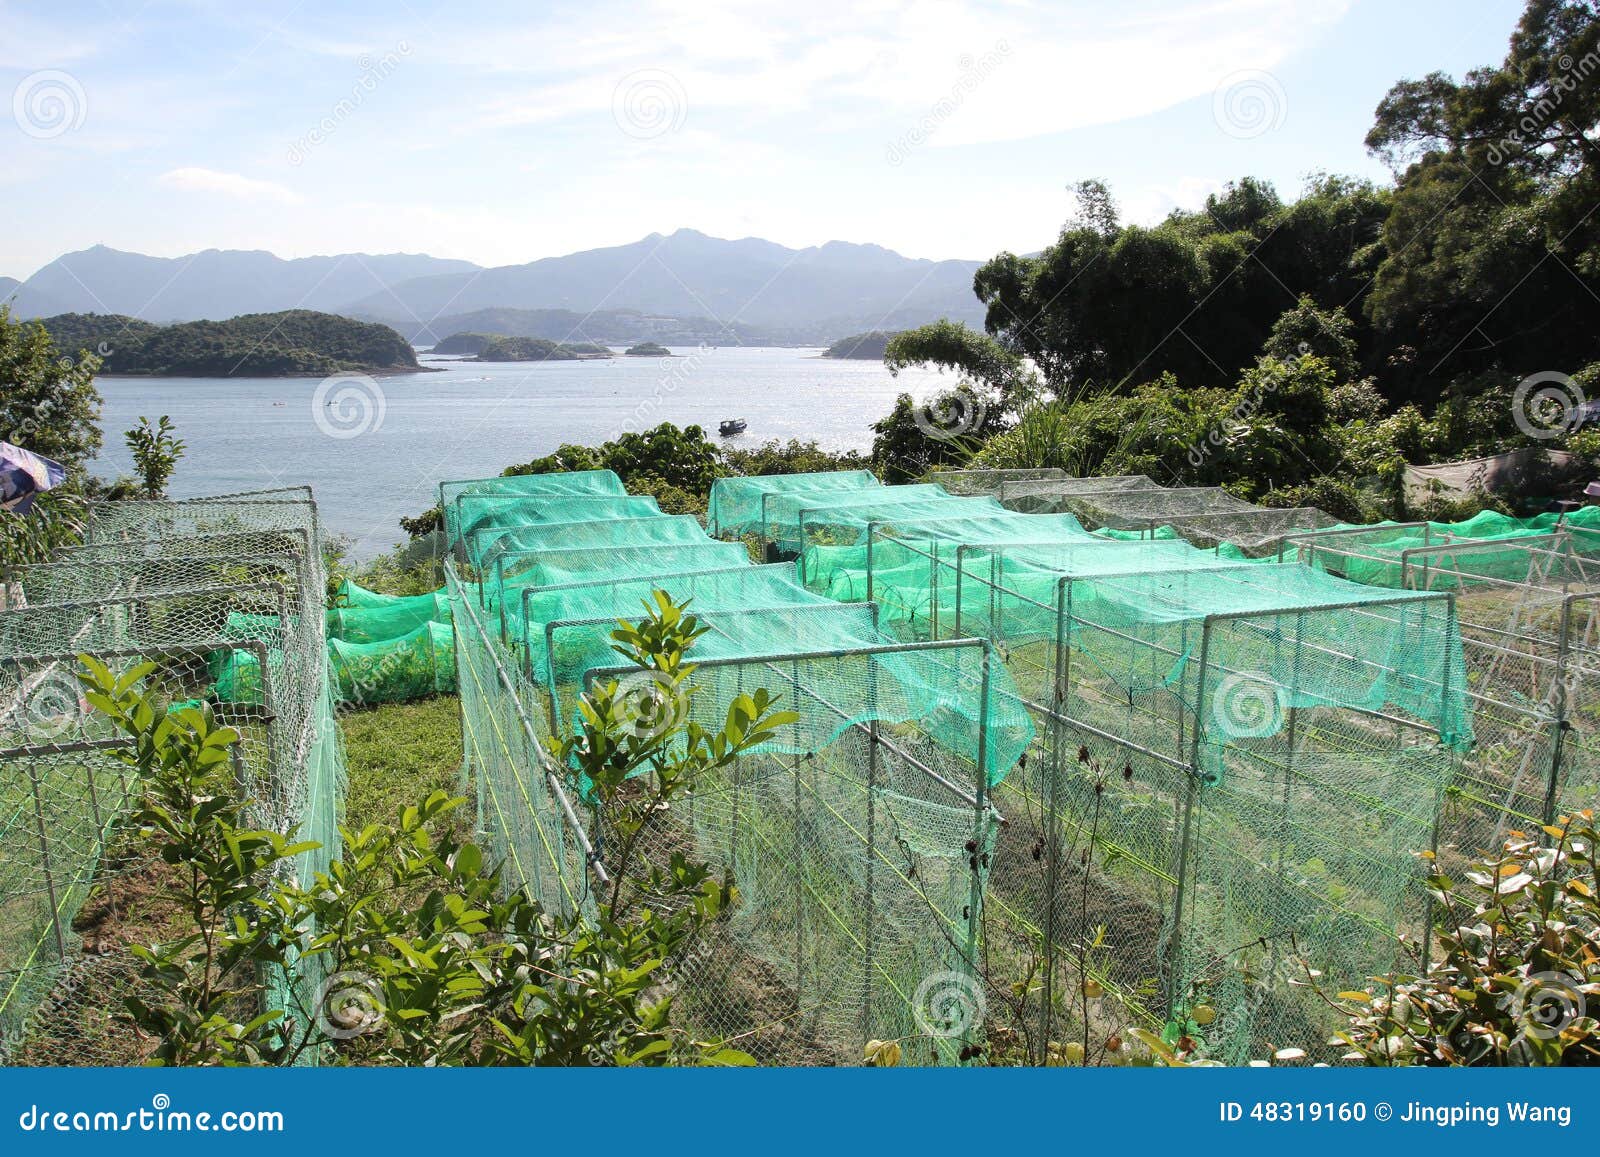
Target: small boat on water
(731, 426)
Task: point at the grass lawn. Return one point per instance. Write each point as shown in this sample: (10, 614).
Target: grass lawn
(397, 753)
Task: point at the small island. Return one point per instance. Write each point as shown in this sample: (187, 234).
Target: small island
(292, 343)
(533, 349)
(647, 349)
(868, 346)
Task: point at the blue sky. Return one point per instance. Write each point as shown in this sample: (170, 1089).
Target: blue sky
(501, 133)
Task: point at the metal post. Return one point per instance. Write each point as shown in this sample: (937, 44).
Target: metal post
(1181, 867)
(870, 963)
(44, 859)
(981, 818)
(1052, 821)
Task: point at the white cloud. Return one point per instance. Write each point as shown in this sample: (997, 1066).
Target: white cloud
(975, 71)
(197, 180)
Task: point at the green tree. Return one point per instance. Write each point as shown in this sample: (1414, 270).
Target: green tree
(155, 453)
(1492, 248)
(49, 403)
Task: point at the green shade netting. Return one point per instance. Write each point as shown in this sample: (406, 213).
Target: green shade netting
(1004, 590)
(486, 545)
(374, 623)
(851, 523)
(474, 512)
(501, 593)
(565, 482)
(1376, 555)
(849, 679)
(927, 535)
(1281, 636)
(735, 507)
(353, 594)
(410, 667)
(606, 600)
(785, 511)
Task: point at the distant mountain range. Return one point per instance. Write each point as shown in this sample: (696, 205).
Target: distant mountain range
(682, 287)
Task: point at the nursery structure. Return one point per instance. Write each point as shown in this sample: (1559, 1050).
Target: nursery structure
(859, 838)
(1236, 759)
(224, 597)
(1528, 598)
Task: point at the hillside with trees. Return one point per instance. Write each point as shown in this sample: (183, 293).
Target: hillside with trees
(295, 343)
(537, 349)
(869, 346)
(1305, 351)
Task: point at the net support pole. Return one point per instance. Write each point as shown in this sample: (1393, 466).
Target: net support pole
(1558, 703)
(1052, 820)
(872, 832)
(1180, 869)
(980, 819)
(44, 860)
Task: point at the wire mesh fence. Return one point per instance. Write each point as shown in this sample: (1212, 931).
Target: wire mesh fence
(223, 597)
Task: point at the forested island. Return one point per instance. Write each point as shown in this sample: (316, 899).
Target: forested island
(648, 349)
(291, 343)
(497, 348)
(867, 346)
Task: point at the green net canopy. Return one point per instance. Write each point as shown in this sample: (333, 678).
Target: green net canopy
(484, 546)
(395, 669)
(1400, 555)
(924, 536)
(603, 601)
(1291, 636)
(832, 664)
(514, 572)
(471, 513)
(567, 482)
(851, 522)
(735, 506)
(377, 622)
(782, 513)
(1011, 590)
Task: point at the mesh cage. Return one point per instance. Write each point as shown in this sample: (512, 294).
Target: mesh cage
(470, 513)
(1235, 760)
(859, 839)
(1527, 604)
(989, 482)
(735, 506)
(1050, 495)
(224, 597)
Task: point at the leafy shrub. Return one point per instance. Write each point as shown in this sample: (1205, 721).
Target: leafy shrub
(1519, 981)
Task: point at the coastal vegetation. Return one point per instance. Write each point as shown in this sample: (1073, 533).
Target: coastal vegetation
(293, 343)
(537, 349)
(648, 349)
(869, 346)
